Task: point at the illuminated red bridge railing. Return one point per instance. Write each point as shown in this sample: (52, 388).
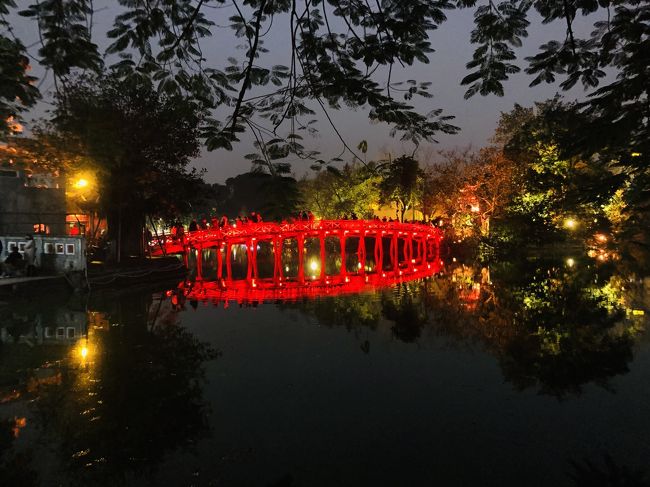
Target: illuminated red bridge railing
(410, 248)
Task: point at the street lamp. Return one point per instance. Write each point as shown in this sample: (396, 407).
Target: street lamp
(81, 183)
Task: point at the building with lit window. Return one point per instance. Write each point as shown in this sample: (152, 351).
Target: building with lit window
(31, 203)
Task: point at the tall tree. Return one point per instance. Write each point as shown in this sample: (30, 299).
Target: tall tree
(556, 183)
(140, 141)
(353, 189)
(401, 183)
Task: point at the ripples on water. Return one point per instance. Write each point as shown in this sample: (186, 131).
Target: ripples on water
(535, 373)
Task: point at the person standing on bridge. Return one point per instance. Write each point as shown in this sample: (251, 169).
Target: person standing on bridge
(30, 256)
(193, 226)
(180, 230)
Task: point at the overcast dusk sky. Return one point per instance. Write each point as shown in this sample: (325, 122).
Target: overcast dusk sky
(476, 117)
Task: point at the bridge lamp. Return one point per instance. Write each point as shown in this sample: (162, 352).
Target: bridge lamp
(313, 265)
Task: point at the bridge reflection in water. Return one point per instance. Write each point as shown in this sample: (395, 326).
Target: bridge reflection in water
(287, 261)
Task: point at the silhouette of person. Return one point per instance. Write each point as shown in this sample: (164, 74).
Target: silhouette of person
(30, 255)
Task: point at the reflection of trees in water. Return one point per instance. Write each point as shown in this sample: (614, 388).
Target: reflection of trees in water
(138, 398)
(551, 327)
(351, 311)
(406, 309)
(608, 473)
(571, 334)
(554, 327)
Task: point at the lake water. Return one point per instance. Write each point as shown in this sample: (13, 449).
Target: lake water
(530, 373)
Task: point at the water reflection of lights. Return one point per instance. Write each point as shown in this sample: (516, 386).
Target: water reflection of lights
(292, 289)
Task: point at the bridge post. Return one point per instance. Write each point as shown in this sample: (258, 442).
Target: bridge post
(301, 257)
(343, 270)
(199, 263)
(423, 249)
(228, 261)
(379, 251)
(322, 255)
(394, 252)
(361, 254)
(277, 255)
(186, 255)
(249, 259)
(408, 249)
(219, 261)
(255, 272)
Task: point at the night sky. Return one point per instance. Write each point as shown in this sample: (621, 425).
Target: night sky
(476, 117)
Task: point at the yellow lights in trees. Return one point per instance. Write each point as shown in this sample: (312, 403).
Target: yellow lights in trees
(570, 224)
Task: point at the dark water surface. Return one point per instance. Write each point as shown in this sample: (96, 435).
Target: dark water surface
(535, 373)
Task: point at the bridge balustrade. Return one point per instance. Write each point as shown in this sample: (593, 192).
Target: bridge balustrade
(419, 244)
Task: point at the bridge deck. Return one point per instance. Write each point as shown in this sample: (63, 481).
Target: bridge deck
(265, 231)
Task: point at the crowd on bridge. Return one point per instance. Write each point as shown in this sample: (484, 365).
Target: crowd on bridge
(178, 230)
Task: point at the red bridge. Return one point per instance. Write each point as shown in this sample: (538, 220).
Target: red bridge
(413, 250)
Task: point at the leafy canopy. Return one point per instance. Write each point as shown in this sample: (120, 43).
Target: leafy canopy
(345, 53)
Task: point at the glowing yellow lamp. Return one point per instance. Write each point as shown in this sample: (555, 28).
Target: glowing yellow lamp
(570, 223)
